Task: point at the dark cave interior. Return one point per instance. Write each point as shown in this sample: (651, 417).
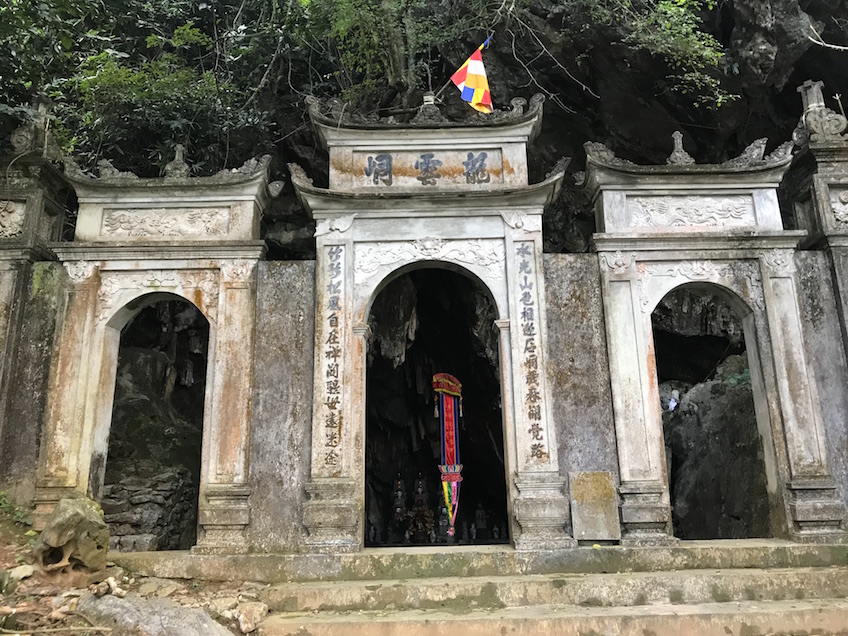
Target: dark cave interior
(153, 466)
(425, 322)
(714, 454)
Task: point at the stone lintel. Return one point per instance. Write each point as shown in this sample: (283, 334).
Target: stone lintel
(165, 252)
(324, 203)
(725, 245)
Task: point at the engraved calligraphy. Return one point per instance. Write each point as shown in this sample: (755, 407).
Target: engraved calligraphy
(331, 350)
(475, 169)
(429, 169)
(379, 169)
(528, 306)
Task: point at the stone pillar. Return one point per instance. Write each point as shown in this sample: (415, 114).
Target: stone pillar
(333, 512)
(541, 507)
(224, 512)
(645, 509)
(814, 505)
(59, 457)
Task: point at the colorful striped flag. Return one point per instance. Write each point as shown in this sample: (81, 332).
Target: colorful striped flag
(471, 80)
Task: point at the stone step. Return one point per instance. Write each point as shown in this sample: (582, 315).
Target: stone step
(588, 590)
(465, 561)
(749, 618)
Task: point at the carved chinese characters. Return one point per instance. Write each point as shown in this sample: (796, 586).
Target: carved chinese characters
(528, 307)
(428, 169)
(332, 355)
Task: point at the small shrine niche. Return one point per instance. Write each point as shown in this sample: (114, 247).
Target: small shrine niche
(405, 203)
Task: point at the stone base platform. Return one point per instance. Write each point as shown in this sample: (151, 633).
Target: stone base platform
(826, 618)
(470, 561)
(740, 587)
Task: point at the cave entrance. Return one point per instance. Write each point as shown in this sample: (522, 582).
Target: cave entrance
(424, 322)
(714, 453)
(152, 473)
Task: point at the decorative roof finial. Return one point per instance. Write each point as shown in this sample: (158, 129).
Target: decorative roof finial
(177, 168)
(818, 123)
(679, 157)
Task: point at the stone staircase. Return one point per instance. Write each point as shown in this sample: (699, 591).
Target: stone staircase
(741, 588)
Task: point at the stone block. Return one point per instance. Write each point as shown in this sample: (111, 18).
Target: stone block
(594, 506)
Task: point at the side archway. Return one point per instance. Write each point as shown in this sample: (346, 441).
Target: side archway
(157, 355)
(716, 428)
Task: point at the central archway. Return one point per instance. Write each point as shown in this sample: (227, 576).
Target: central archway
(426, 321)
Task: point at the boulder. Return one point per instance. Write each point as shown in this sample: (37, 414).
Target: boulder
(75, 538)
(150, 617)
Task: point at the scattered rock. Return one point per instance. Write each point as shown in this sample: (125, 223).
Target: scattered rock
(150, 617)
(249, 616)
(217, 606)
(9, 579)
(75, 538)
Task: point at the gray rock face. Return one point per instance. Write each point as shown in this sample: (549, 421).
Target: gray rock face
(151, 617)
(715, 457)
(75, 537)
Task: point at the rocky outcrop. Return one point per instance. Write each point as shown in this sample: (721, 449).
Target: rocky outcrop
(715, 458)
(74, 539)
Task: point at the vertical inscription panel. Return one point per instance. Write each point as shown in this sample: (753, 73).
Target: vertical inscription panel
(329, 397)
(528, 385)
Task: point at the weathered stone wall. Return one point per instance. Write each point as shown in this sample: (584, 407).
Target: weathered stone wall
(282, 413)
(824, 349)
(578, 370)
(27, 388)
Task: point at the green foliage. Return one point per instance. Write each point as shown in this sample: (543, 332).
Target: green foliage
(18, 515)
(670, 30)
(132, 78)
(738, 379)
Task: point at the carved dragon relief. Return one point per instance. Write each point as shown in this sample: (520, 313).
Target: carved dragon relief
(112, 284)
(486, 253)
(666, 211)
(618, 262)
(161, 222)
(11, 219)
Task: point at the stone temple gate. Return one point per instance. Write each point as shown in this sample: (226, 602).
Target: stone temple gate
(283, 458)
(452, 197)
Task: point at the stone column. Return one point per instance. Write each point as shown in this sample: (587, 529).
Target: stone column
(541, 507)
(814, 505)
(224, 512)
(59, 456)
(645, 510)
(332, 514)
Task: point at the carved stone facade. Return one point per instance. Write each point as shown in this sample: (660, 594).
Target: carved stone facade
(211, 265)
(458, 198)
(725, 233)
(486, 223)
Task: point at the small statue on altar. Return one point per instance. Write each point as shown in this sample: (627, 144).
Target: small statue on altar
(444, 525)
(399, 512)
(481, 521)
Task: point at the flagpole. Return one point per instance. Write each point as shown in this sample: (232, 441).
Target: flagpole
(442, 89)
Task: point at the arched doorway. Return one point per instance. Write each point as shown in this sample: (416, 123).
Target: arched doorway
(152, 472)
(705, 358)
(423, 322)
